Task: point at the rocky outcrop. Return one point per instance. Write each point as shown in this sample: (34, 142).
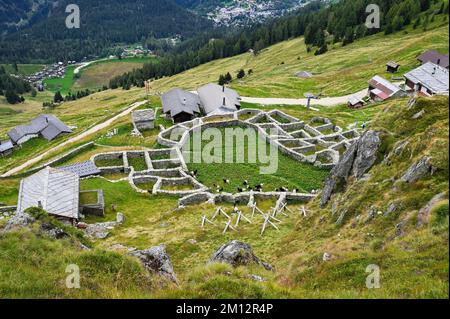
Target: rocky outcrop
(156, 261)
(52, 231)
(237, 253)
(101, 230)
(18, 220)
(424, 213)
(418, 170)
(357, 161)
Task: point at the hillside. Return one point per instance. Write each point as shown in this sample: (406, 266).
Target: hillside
(104, 24)
(413, 260)
(341, 71)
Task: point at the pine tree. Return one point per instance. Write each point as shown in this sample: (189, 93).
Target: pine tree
(241, 74)
(228, 77)
(222, 80)
(58, 97)
(12, 97)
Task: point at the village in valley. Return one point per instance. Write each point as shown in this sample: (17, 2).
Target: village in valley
(358, 141)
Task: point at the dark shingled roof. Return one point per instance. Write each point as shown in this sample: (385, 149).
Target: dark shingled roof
(177, 101)
(47, 125)
(83, 169)
(435, 57)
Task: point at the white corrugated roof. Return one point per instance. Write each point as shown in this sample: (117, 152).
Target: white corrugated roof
(56, 190)
(431, 76)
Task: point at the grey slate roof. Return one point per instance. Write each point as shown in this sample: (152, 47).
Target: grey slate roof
(143, 115)
(177, 101)
(55, 189)
(218, 99)
(435, 57)
(431, 76)
(48, 125)
(83, 169)
(6, 146)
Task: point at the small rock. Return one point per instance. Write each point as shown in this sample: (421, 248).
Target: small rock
(192, 241)
(371, 215)
(424, 212)
(391, 208)
(120, 218)
(237, 253)
(326, 257)
(164, 225)
(52, 231)
(18, 220)
(418, 115)
(156, 261)
(418, 170)
(257, 278)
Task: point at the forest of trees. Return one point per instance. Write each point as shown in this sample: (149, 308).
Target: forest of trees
(341, 22)
(13, 88)
(104, 25)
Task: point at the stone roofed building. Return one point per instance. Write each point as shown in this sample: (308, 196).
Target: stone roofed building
(218, 99)
(180, 105)
(144, 119)
(428, 79)
(6, 148)
(83, 169)
(54, 190)
(434, 57)
(47, 126)
(381, 89)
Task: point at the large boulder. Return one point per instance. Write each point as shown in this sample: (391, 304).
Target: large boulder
(237, 253)
(156, 261)
(418, 170)
(356, 161)
(18, 220)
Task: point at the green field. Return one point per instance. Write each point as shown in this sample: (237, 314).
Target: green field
(306, 179)
(95, 75)
(64, 85)
(341, 71)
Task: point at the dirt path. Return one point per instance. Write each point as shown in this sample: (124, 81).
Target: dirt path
(74, 139)
(329, 101)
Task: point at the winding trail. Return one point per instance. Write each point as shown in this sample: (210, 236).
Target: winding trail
(74, 139)
(329, 101)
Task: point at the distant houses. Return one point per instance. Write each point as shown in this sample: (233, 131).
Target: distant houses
(212, 99)
(381, 89)
(144, 119)
(180, 105)
(428, 79)
(46, 126)
(434, 57)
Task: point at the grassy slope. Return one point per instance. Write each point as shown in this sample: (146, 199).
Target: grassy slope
(414, 265)
(97, 75)
(94, 76)
(343, 70)
(82, 113)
